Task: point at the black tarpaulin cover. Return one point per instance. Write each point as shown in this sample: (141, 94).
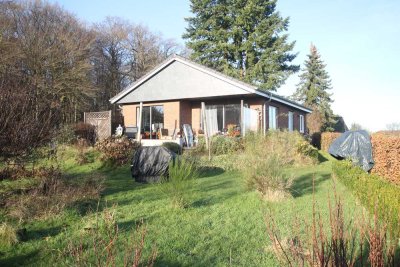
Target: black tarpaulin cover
(354, 145)
(150, 163)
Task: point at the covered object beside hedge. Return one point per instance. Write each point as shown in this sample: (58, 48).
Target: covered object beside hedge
(385, 151)
(354, 145)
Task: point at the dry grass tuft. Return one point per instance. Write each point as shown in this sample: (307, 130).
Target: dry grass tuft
(8, 235)
(103, 247)
(339, 243)
(52, 194)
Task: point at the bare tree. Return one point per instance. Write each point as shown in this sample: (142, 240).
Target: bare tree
(43, 73)
(53, 48)
(110, 59)
(124, 52)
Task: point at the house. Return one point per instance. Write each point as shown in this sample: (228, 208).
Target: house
(180, 91)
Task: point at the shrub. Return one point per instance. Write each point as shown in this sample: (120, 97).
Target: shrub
(265, 158)
(308, 150)
(117, 151)
(66, 134)
(288, 146)
(371, 190)
(8, 235)
(327, 139)
(182, 173)
(267, 177)
(220, 145)
(85, 131)
(174, 147)
(316, 140)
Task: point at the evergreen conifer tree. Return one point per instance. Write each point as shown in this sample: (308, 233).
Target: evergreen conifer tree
(313, 89)
(242, 38)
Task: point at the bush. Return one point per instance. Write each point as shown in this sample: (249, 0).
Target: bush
(174, 147)
(220, 145)
(371, 190)
(66, 134)
(8, 235)
(308, 150)
(316, 140)
(180, 181)
(327, 138)
(267, 177)
(265, 157)
(85, 131)
(290, 147)
(117, 151)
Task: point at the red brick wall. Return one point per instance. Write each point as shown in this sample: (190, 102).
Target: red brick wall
(186, 112)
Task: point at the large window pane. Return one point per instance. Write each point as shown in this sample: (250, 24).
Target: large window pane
(272, 117)
(232, 115)
(290, 121)
(152, 118)
(157, 117)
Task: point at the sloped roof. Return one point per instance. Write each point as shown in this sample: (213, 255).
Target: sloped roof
(247, 88)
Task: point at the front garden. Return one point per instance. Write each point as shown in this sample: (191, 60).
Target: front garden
(235, 208)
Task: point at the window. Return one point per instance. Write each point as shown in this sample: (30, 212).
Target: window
(301, 123)
(290, 121)
(152, 118)
(273, 119)
(232, 115)
(226, 115)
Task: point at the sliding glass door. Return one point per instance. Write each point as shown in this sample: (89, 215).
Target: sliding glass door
(152, 120)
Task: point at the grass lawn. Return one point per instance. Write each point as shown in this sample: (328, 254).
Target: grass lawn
(223, 226)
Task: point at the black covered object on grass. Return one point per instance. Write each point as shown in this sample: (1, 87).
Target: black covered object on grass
(356, 146)
(150, 163)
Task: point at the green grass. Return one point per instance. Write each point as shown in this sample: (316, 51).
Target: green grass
(224, 224)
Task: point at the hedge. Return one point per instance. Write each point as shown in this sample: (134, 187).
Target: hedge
(386, 151)
(371, 190)
(327, 139)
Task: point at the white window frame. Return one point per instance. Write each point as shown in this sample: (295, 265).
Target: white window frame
(273, 118)
(290, 121)
(301, 121)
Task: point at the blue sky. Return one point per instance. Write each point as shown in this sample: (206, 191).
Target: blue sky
(359, 40)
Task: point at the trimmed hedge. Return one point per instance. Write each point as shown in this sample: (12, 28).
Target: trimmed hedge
(386, 150)
(327, 139)
(371, 190)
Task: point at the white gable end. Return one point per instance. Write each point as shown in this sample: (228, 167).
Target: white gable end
(181, 81)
